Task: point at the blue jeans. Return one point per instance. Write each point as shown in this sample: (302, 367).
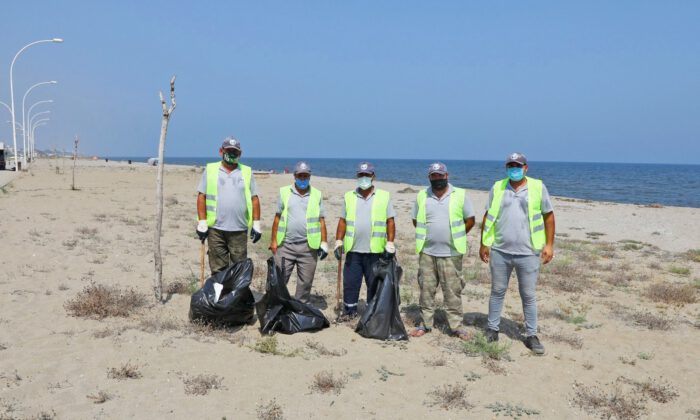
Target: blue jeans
(527, 268)
(357, 265)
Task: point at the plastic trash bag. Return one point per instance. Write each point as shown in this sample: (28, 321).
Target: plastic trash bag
(226, 298)
(279, 312)
(382, 319)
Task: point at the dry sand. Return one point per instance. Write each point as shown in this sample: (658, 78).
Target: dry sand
(601, 329)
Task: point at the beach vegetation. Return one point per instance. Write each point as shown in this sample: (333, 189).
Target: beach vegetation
(693, 255)
(659, 391)
(449, 397)
(70, 243)
(322, 350)
(640, 318)
(670, 293)
(270, 345)
(572, 315)
(86, 233)
(438, 361)
(100, 217)
(98, 301)
(609, 402)
(472, 376)
(479, 346)
(125, 371)
(679, 270)
(574, 341)
(201, 384)
(494, 366)
(99, 397)
(326, 382)
(185, 285)
(270, 411)
(511, 410)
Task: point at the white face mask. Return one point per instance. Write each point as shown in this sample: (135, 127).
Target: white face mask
(364, 182)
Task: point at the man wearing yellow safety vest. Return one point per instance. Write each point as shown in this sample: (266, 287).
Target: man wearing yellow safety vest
(442, 215)
(227, 206)
(299, 231)
(517, 232)
(365, 232)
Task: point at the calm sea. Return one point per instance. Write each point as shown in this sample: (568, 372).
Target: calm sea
(670, 185)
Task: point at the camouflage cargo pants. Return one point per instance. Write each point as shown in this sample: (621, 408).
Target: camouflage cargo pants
(226, 248)
(445, 272)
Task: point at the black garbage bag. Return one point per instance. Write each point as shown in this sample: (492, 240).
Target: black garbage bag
(382, 319)
(235, 304)
(279, 312)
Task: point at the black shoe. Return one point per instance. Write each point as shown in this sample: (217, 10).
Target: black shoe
(348, 316)
(491, 335)
(533, 343)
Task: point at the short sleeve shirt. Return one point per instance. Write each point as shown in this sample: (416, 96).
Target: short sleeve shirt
(513, 224)
(231, 208)
(296, 214)
(438, 240)
(363, 221)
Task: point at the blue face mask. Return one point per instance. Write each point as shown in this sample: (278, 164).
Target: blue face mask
(302, 184)
(516, 174)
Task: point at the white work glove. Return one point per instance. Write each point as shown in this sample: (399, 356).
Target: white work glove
(323, 251)
(338, 250)
(202, 230)
(256, 231)
(390, 248)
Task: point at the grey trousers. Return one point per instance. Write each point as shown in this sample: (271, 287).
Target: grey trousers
(304, 258)
(527, 268)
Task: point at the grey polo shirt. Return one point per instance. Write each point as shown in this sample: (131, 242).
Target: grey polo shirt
(513, 224)
(363, 221)
(296, 214)
(231, 209)
(438, 239)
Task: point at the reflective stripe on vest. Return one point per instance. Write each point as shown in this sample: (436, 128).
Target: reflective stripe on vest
(457, 226)
(313, 217)
(213, 188)
(380, 205)
(534, 207)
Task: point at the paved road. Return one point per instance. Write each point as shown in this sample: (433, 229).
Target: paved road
(6, 177)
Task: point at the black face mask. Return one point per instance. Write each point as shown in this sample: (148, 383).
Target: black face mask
(438, 184)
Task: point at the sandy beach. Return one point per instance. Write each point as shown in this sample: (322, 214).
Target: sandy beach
(619, 315)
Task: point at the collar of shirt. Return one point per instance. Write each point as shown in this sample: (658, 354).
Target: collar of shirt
(431, 194)
(510, 187)
(223, 169)
(357, 193)
(295, 191)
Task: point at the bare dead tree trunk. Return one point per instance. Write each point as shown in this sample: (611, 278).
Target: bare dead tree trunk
(75, 159)
(167, 111)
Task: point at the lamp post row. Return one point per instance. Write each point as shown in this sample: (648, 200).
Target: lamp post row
(26, 134)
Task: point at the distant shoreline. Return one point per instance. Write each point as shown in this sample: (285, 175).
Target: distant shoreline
(637, 184)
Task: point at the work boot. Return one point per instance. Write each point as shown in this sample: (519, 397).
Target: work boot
(491, 335)
(533, 343)
(348, 316)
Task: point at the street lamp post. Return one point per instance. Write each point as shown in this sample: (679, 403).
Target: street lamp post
(12, 89)
(39, 123)
(29, 113)
(24, 121)
(30, 138)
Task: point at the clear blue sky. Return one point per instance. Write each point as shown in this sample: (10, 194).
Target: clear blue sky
(611, 81)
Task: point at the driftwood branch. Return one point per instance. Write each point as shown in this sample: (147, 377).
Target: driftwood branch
(167, 112)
